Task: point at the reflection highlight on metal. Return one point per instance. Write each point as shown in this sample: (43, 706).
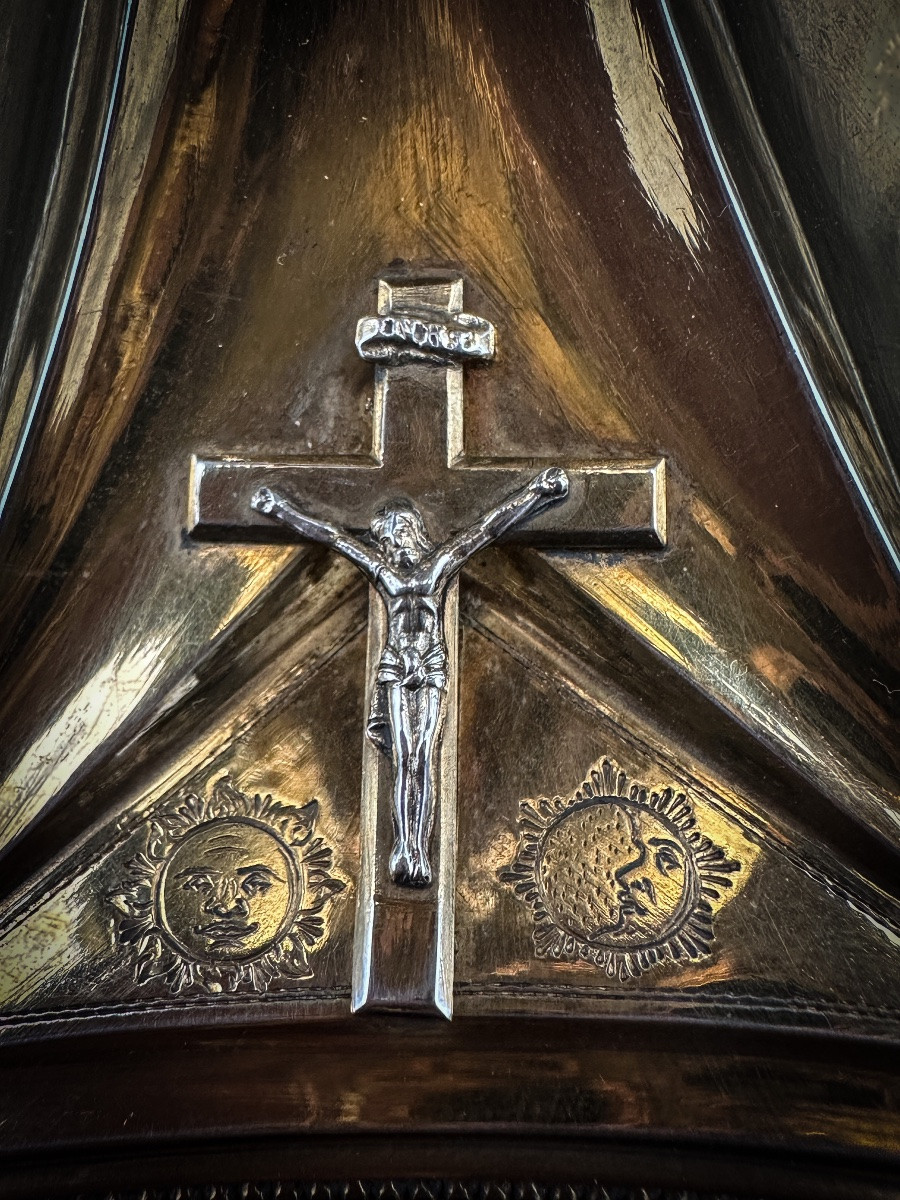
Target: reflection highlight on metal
(732, 634)
(790, 276)
(29, 353)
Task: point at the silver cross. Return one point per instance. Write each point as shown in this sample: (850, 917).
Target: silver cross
(403, 953)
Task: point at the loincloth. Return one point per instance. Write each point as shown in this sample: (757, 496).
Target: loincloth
(411, 670)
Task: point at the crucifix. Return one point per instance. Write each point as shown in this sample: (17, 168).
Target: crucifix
(382, 513)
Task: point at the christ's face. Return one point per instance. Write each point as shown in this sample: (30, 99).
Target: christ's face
(227, 890)
(398, 540)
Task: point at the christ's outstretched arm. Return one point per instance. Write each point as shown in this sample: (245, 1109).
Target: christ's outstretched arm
(275, 505)
(545, 489)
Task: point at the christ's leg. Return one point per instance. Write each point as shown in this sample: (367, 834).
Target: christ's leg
(401, 864)
(427, 731)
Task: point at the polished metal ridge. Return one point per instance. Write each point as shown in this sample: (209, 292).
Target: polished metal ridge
(885, 516)
(75, 263)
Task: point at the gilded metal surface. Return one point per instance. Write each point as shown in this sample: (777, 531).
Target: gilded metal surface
(228, 893)
(617, 875)
(821, 136)
(53, 152)
(854, 388)
(732, 635)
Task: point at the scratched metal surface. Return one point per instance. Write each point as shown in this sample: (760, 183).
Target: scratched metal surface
(267, 163)
(830, 106)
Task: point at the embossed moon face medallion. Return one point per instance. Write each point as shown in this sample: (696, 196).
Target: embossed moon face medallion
(618, 875)
(229, 893)
(615, 875)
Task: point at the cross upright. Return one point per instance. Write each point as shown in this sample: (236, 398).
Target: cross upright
(419, 341)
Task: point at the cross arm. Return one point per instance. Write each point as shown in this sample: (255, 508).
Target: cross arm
(222, 490)
(551, 486)
(609, 505)
(277, 507)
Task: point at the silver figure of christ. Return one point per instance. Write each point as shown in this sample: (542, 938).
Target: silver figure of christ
(412, 575)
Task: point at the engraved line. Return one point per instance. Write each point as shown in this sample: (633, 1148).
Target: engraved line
(649, 999)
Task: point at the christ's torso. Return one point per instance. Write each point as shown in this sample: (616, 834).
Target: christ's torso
(415, 651)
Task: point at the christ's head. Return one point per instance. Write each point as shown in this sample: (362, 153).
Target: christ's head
(400, 533)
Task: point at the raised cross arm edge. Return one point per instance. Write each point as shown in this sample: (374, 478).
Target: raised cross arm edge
(610, 505)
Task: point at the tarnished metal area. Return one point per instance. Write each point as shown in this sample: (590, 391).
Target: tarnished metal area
(448, 567)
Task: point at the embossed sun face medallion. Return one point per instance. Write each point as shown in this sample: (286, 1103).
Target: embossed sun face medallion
(618, 875)
(229, 893)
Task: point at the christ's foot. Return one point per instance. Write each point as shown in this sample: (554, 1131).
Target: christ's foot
(409, 868)
(421, 867)
(401, 865)
(400, 862)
